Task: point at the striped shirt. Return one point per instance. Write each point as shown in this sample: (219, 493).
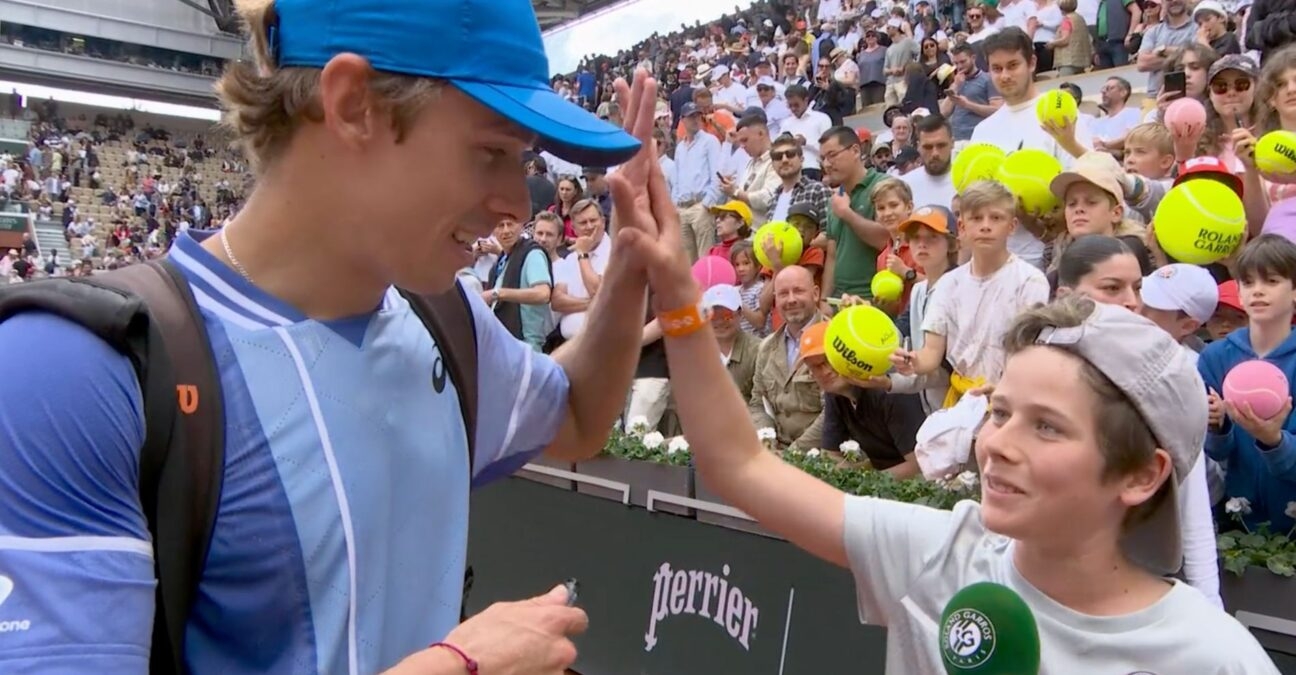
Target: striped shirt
(341, 530)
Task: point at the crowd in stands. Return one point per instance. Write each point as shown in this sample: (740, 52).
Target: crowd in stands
(119, 190)
(753, 127)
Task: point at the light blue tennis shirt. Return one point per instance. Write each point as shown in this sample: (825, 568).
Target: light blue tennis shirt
(341, 534)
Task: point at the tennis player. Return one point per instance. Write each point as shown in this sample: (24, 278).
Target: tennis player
(388, 136)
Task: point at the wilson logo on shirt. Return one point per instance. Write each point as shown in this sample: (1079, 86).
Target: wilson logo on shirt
(17, 626)
(706, 595)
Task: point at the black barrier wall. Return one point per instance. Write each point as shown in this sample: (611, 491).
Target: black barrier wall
(668, 595)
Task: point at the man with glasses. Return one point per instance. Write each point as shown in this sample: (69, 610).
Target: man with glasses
(854, 238)
(787, 156)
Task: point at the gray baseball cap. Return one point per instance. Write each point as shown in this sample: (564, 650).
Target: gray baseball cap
(1160, 378)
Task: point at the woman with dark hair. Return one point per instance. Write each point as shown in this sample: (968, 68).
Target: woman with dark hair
(920, 90)
(931, 55)
(569, 192)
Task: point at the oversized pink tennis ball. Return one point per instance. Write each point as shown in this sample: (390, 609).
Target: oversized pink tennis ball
(711, 270)
(1186, 120)
(1259, 383)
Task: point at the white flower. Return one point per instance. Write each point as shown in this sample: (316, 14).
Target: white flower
(766, 434)
(967, 480)
(638, 425)
(849, 448)
(677, 444)
(812, 453)
(1240, 505)
(1290, 511)
(654, 440)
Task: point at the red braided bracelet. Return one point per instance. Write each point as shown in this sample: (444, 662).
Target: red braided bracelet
(469, 662)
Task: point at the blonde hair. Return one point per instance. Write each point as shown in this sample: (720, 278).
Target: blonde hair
(1152, 134)
(886, 185)
(985, 194)
(264, 105)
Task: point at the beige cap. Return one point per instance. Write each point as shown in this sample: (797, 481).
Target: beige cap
(1092, 167)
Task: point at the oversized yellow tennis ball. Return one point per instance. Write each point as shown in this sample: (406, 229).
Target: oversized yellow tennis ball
(1027, 174)
(977, 161)
(887, 286)
(1200, 221)
(1057, 107)
(859, 342)
(1275, 152)
(783, 233)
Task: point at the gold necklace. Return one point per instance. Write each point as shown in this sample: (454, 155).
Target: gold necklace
(229, 253)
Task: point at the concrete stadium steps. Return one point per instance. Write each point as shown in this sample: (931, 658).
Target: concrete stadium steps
(49, 237)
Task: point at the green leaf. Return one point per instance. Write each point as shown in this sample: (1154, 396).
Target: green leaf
(1281, 567)
(1226, 542)
(1253, 540)
(1235, 564)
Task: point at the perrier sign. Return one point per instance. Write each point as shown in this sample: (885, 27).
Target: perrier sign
(13, 222)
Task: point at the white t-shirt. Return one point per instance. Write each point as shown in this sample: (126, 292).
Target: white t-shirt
(811, 126)
(974, 313)
(1115, 127)
(1014, 128)
(928, 189)
(735, 95)
(908, 561)
(567, 271)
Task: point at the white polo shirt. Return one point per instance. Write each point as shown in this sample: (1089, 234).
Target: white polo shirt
(567, 271)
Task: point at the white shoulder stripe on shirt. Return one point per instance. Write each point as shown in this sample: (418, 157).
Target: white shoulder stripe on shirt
(76, 544)
(230, 294)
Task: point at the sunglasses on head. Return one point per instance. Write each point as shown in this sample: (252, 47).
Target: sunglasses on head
(779, 155)
(1221, 87)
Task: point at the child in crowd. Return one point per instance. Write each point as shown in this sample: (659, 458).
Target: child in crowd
(1180, 299)
(733, 221)
(1229, 314)
(754, 317)
(1104, 269)
(975, 303)
(1258, 455)
(805, 217)
(1149, 161)
(931, 234)
(1081, 460)
(893, 202)
(1093, 202)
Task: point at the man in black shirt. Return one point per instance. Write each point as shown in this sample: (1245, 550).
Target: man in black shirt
(884, 425)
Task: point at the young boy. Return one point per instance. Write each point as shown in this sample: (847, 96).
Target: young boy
(974, 304)
(1180, 299)
(805, 217)
(893, 202)
(1229, 314)
(1149, 160)
(1093, 202)
(1259, 455)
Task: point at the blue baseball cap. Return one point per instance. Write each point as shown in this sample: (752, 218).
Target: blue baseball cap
(491, 51)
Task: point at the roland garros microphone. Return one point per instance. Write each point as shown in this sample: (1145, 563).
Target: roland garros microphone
(987, 629)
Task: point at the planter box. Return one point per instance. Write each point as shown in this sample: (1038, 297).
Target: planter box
(1265, 603)
(561, 483)
(740, 524)
(642, 477)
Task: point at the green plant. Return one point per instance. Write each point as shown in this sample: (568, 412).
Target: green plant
(1259, 547)
(872, 483)
(647, 447)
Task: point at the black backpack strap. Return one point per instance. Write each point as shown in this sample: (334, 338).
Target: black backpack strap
(449, 319)
(182, 463)
(148, 313)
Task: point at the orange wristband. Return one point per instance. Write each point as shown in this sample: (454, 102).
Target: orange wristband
(681, 322)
